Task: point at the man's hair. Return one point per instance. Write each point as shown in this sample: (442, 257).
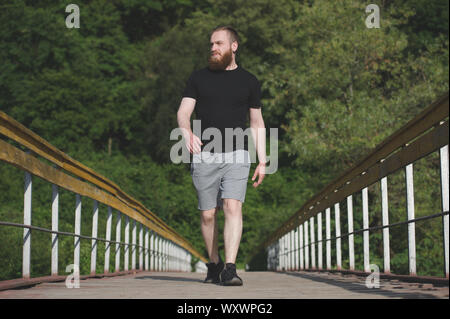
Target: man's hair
(232, 33)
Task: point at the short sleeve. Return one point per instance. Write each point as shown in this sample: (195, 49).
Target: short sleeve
(190, 90)
(255, 94)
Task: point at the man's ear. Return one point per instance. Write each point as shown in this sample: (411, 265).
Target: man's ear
(234, 46)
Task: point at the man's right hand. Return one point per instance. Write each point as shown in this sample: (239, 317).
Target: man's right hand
(193, 143)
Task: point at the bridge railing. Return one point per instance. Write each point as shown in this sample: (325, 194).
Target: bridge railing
(160, 248)
(293, 245)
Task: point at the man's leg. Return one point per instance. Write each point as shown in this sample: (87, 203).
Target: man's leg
(232, 229)
(210, 233)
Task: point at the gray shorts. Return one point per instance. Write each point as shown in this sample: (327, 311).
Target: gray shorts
(220, 175)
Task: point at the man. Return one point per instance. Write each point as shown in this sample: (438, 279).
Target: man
(223, 95)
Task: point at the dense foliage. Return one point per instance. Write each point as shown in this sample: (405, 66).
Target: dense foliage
(107, 95)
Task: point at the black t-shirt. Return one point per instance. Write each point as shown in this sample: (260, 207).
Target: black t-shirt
(223, 99)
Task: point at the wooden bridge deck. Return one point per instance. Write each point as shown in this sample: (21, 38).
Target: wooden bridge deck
(257, 285)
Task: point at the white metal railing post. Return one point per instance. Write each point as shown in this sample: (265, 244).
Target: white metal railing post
(160, 253)
(118, 229)
(180, 260)
(296, 266)
(283, 260)
(275, 261)
(286, 252)
(269, 261)
(26, 253)
(302, 260)
(277, 256)
(174, 257)
(351, 245)
(146, 254)
(281, 253)
(184, 259)
(141, 250)
(186, 263)
(328, 237)
(443, 155)
(108, 238)
(169, 256)
(76, 256)
(166, 252)
(306, 245)
(289, 246)
(156, 252)
(365, 202)
(163, 253)
(152, 251)
(385, 217)
(313, 243)
(411, 226)
(161, 250)
(337, 221)
(133, 247)
(126, 253)
(189, 267)
(292, 249)
(319, 239)
(55, 227)
(173, 264)
(94, 240)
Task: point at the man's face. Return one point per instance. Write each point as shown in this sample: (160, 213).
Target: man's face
(221, 54)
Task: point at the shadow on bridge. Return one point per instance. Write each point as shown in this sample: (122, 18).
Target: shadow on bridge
(353, 284)
(166, 278)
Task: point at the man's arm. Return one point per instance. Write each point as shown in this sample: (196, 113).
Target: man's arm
(184, 113)
(258, 130)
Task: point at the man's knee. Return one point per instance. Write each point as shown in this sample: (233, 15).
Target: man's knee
(209, 216)
(232, 207)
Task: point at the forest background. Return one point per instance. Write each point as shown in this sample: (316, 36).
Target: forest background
(107, 95)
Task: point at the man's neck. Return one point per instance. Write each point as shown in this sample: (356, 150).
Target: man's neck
(232, 66)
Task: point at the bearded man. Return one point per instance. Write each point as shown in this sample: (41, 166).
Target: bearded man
(223, 95)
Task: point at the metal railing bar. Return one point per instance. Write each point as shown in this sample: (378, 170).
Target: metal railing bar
(46, 230)
(380, 227)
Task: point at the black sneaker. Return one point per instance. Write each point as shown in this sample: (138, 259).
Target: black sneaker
(228, 276)
(214, 271)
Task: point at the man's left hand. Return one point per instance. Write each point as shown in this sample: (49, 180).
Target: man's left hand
(260, 171)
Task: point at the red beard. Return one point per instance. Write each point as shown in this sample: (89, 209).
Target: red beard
(220, 63)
